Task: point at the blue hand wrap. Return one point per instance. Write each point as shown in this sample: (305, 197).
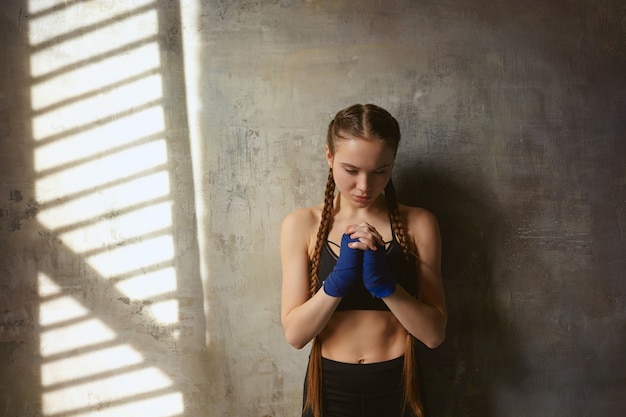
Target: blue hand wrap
(377, 277)
(347, 271)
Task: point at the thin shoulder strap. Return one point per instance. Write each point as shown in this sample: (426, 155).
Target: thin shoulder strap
(336, 245)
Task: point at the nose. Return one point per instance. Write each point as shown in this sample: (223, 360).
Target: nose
(363, 183)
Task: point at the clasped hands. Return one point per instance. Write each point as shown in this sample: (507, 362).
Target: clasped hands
(361, 257)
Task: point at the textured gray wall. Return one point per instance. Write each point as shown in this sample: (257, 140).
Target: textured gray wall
(513, 126)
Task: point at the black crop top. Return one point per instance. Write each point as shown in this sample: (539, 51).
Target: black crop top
(359, 298)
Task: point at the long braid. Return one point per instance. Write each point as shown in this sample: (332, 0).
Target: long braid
(411, 382)
(314, 378)
(399, 228)
(322, 232)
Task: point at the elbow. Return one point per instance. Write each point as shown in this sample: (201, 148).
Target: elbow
(297, 345)
(294, 334)
(437, 337)
(436, 340)
(294, 337)
(295, 340)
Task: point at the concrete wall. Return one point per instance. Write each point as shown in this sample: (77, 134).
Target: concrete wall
(149, 151)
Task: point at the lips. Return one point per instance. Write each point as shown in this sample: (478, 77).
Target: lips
(361, 199)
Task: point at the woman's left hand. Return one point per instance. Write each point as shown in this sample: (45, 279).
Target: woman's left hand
(368, 236)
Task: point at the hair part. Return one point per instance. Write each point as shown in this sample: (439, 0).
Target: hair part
(363, 121)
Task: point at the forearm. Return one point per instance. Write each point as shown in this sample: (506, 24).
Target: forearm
(307, 320)
(424, 321)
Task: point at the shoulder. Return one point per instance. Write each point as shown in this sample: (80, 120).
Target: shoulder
(421, 223)
(300, 226)
(303, 218)
(416, 215)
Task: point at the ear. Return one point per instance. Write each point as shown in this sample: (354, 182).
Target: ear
(329, 157)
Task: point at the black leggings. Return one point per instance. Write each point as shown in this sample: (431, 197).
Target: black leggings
(362, 390)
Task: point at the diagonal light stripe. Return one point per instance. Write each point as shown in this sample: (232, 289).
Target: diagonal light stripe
(104, 233)
(47, 23)
(93, 77)
(75, 336)
(133, 257)
(94, 205)
(106, 170)
(83, 48)
(92, 363)
(102, 138)
(149, 285)
(102, 106)
(131, 384)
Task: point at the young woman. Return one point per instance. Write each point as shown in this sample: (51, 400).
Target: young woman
(362, 278)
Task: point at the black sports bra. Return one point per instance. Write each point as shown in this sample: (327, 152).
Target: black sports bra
(359, 298)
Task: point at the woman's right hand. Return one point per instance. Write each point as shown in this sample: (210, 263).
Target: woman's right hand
(365, 235)
(347, 271)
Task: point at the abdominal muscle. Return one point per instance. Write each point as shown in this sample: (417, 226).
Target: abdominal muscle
(363, 336)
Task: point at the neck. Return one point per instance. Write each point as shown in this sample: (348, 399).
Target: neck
(345, 208)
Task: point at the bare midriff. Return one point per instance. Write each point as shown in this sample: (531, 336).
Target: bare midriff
(363, 336)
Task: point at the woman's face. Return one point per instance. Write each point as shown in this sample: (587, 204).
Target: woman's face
(361, 168)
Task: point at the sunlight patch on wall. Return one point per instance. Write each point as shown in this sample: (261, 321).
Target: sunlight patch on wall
(102, 160)
(93, 78)
(100, 139)
(150, 284)
(91, 110)
(105, 390)
(132, 257)
(125, 226)
(61, 18)
(93, 205)
(98, 43)
(104, 170)
(89, 364)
